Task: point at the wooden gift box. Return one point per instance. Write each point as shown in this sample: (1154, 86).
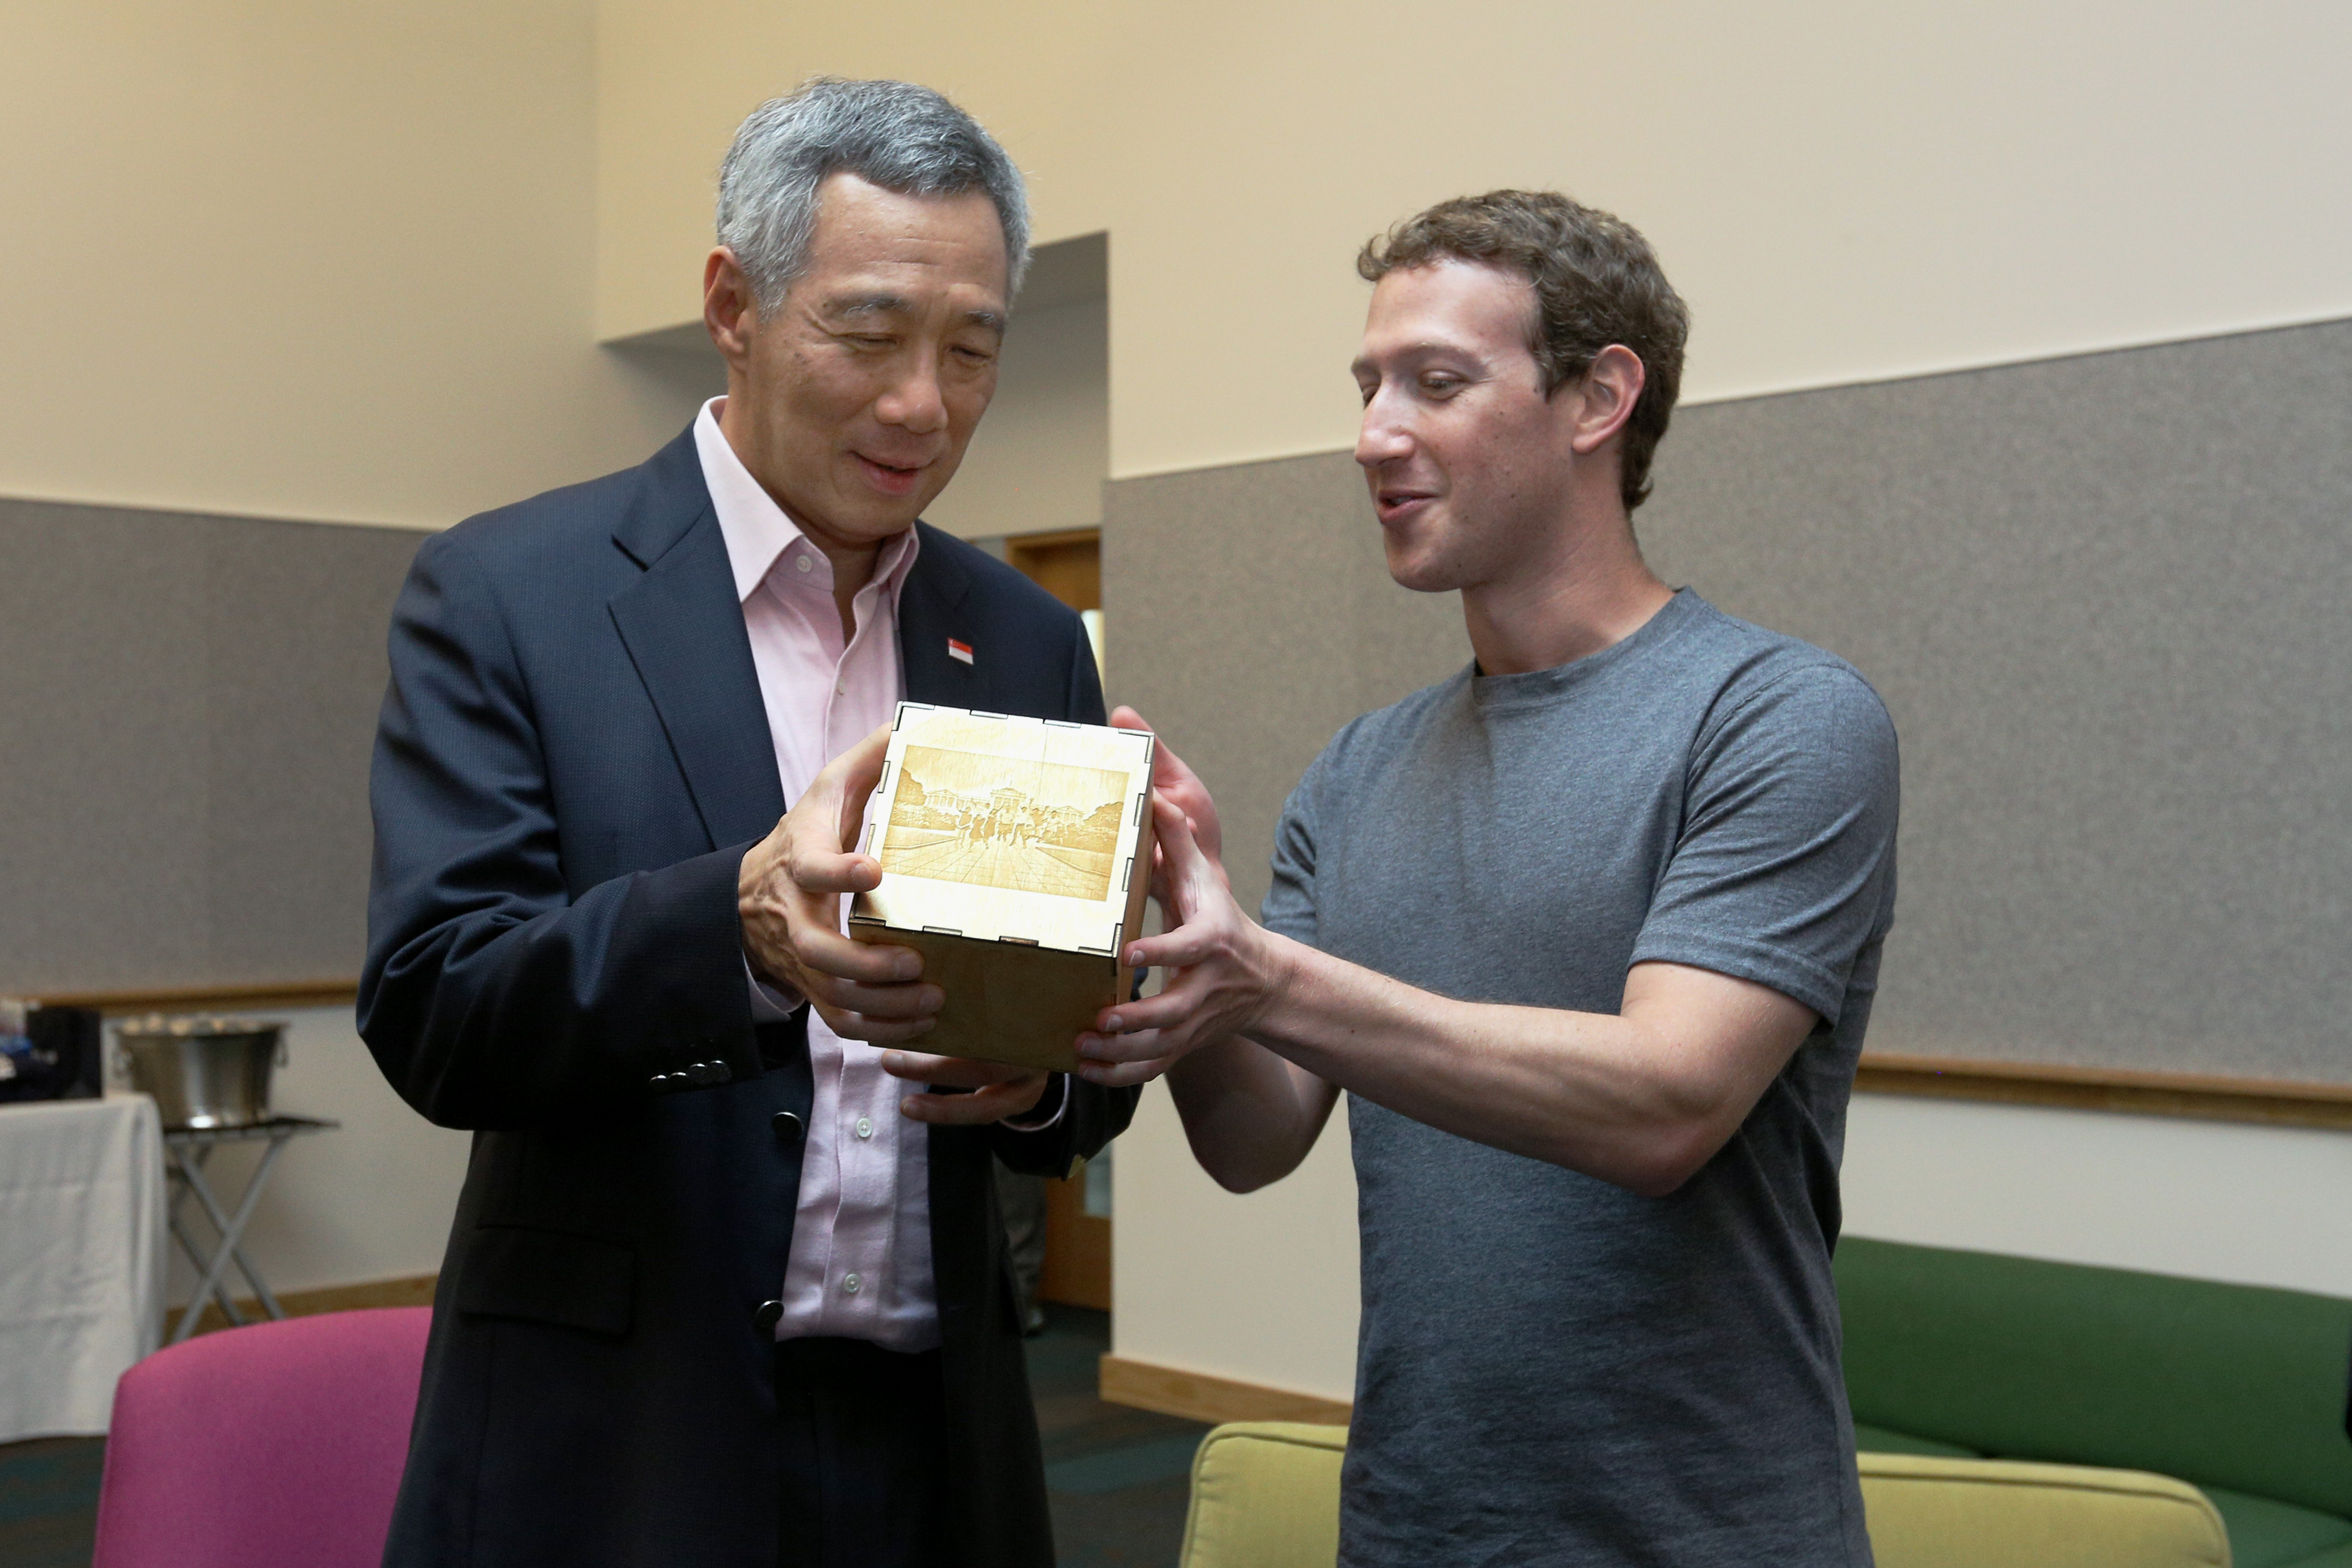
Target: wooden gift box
(1016, 856)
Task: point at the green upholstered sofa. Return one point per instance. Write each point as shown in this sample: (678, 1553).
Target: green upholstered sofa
(2237, 1389)
(1966, 1360)
(1266, 1495)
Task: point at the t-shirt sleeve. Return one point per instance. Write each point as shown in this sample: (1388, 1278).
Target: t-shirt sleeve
(1784, 868)
(1289, 906)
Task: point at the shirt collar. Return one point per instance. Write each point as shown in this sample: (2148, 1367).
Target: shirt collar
(758, 532)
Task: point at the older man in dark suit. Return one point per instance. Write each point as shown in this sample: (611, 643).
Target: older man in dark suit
(726, 1285)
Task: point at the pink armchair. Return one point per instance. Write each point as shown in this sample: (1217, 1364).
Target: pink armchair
(278, 1446)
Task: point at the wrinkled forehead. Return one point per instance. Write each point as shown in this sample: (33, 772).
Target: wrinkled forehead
(877, 251)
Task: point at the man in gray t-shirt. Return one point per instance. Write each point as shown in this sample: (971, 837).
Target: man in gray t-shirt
(1590, 934)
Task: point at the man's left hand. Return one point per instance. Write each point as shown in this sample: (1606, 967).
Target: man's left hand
(998, 1090)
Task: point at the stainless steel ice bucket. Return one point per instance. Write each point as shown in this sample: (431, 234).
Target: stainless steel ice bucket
(204, 1072)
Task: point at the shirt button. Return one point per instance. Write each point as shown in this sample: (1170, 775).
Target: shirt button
(802, 564)
(841, 690)
(849, 1284)
(866, 1127)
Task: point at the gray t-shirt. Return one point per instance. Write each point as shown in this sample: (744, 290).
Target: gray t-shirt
(1553, 1370)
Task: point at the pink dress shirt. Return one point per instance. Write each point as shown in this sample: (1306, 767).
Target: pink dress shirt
(861, 1260)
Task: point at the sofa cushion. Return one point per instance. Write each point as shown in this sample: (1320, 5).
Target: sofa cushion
(2267, 1534)
(2233, 1387)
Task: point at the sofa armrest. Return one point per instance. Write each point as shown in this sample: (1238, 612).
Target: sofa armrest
(1935, 1512)
(1266, 1494)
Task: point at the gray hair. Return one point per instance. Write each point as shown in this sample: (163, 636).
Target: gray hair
(894, 134)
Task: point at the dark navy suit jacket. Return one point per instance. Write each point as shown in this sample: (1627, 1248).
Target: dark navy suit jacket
(572, 759)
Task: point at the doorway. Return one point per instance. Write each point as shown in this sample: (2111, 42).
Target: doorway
(1067, 564)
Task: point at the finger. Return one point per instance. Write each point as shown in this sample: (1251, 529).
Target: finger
(994, 1103)
(1162, 1010)
(876, 1031)
(907, 1002)
(1135, 1046)
(1179, 949)
(824, 822)
(821, 951)
(816, 859)
(858, 771)
(954, 1072)
(1195, 882)
(1125, 1075)
(1168, 769)
(820, 870)
(1174, 778)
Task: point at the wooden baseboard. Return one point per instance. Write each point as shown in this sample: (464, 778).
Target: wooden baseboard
(2264, 1101)
(1198, 1396)
(409, 1290)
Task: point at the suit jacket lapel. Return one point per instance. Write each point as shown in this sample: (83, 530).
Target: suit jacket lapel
(683, 629)
(931, 610)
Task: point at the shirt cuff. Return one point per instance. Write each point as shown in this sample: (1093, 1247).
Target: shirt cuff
(1038, 1119)
(769, 1005)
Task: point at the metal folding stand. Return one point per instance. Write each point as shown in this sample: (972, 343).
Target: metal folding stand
(188, 1149)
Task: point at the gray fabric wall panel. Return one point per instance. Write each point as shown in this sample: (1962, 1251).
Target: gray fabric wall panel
(1247, 614)
(185, 715)
(2104, 597)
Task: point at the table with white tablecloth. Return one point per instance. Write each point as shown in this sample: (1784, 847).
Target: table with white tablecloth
(81, 1257)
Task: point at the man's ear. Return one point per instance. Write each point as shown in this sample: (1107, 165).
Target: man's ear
(1606, 395)
(730, 310)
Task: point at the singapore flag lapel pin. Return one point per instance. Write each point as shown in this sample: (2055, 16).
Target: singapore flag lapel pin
(959, 651)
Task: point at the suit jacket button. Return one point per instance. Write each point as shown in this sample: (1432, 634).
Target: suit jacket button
(769, 1314)
(790, 1129)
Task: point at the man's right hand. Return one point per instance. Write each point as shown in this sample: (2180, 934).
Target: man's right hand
(789, 896)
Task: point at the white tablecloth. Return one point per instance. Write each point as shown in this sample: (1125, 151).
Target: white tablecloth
(81, 1257)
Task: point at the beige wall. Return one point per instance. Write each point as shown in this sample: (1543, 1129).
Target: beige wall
(305, 260)
(1845, 192)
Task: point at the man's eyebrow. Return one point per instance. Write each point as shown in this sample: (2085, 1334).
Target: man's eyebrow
(1428, 348)
(875, 304)
(885, 304)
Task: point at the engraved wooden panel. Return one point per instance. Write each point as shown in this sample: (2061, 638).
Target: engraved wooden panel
(1015, 858)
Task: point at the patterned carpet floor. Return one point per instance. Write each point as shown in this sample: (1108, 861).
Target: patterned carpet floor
(1116, 1478)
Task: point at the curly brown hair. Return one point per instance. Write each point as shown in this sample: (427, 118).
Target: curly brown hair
(1597, 282)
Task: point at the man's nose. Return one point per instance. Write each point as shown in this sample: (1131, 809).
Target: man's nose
(914, 401)
(1382, 439)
